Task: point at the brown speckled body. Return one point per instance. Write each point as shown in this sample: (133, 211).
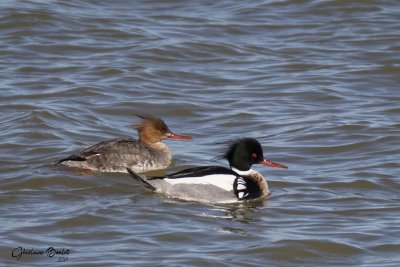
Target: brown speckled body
(118, 154)
(260, 181)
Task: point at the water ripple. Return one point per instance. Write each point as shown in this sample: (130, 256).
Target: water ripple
(315, 81)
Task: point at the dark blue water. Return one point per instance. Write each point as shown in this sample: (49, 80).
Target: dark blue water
(316, 82)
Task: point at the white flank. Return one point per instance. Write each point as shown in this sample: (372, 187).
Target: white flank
(224, 181)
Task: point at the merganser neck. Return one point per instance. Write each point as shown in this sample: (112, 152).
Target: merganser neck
(162, 150)
(243, 173)
(157, 146)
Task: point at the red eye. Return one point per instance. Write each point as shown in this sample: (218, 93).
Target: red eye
(254, 155)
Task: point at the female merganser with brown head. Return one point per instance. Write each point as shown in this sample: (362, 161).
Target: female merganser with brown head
(116, 155)
(215, 184)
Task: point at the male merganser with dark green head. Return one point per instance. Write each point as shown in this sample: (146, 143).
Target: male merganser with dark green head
(216, 184)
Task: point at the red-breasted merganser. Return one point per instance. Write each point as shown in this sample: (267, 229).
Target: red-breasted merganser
(116, 155)
(216, 184)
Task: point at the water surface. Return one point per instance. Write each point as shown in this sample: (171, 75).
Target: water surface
(316, 82)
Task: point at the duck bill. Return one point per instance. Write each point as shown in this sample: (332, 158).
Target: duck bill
(269, 163)
(178, 136)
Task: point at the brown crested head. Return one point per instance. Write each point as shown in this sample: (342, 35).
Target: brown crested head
(153, 129)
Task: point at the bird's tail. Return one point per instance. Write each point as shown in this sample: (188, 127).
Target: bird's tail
(73, 158)
(141, 179)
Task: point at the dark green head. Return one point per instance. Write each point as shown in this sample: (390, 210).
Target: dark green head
(245, 152)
